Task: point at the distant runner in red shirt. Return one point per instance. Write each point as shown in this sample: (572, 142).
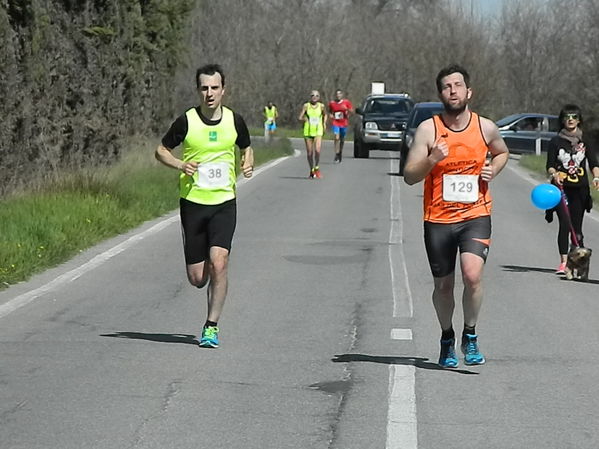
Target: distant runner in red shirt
(339, 109)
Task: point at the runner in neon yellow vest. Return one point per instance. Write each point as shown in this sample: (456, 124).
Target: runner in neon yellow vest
(212, 147)
(315, 120)
(208, 134)
(271, 114)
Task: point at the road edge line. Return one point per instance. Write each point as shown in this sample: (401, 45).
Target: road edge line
(25, 298)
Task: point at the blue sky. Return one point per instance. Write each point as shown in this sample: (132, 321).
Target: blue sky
(486, 7)
(490, 6)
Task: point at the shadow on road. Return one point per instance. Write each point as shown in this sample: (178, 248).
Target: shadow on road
(418, 362)
(163, 338)
(523, 269)
(589, 281)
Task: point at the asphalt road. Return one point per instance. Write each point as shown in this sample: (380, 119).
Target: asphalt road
(328, 338)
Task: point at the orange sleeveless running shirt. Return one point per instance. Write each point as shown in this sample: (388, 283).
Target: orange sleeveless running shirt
(467, 155)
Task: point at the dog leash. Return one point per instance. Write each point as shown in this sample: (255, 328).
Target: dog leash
(564, 202)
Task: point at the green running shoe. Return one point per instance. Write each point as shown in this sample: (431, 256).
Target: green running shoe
(209, 337)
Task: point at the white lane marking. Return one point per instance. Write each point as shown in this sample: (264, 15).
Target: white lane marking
(402, 432)
(25, 298)
(402, 294)
(70, 276)
(401, 334)
(402, 426)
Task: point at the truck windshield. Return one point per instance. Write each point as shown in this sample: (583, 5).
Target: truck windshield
(387, 106)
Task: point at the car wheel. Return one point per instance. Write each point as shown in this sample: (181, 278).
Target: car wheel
(360, 150)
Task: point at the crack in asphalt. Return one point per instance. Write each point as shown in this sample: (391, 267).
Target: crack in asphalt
(342, 387)
(172, 390)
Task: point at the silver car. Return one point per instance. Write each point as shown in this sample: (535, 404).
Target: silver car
(381, 124)
(521, 131)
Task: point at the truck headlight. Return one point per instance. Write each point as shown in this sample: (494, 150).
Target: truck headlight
(370, 125)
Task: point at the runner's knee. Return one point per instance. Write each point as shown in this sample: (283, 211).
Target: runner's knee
(198, 280)
(444, 285)
(472, 276)
(218, 268)
(218, 265)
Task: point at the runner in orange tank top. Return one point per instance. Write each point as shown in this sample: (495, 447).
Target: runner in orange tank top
(449, 153)
(467, 156)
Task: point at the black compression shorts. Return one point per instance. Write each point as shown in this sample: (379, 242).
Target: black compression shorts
(443, 240)
(205, 226)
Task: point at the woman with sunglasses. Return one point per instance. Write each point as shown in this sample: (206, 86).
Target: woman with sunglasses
(315, 120)
(567, 161)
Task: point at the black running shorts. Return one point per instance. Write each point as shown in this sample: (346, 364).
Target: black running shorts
(443, 240)
(205, 226)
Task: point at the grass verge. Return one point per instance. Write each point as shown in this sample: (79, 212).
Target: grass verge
(50, 224)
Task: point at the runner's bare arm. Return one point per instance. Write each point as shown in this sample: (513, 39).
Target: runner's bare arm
(595, 171)
(302, 116)
(497, 147)
(165, 156)
(247, 161)
(424, 153)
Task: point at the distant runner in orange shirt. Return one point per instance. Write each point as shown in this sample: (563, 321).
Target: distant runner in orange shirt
(450, 154)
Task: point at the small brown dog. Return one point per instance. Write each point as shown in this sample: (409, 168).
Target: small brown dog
(577, 265)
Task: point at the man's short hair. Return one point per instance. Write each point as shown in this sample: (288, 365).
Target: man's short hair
(210, 69)
(453, 68)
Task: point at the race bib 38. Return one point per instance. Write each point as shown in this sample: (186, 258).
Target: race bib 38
(213, 175)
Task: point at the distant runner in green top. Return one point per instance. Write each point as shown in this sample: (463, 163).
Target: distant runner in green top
(314, 117)
(208, 134)
(271, 114)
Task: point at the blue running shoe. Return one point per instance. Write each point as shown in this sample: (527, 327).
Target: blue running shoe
(209, 337)
(447, 358)
(472, 355)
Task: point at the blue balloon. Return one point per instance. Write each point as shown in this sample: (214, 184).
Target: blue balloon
(545, 196)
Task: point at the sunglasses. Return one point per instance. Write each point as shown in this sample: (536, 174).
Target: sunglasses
(571, 117)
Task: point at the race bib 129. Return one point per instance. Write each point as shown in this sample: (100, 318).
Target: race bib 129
(460, 188)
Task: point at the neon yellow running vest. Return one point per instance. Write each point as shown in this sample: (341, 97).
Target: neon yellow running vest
(213, 148)
(270, 112)
(313, 126)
